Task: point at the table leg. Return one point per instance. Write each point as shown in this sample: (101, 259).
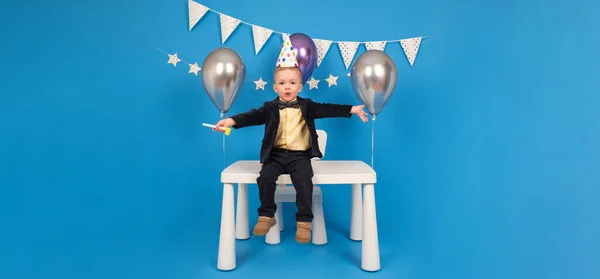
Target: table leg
(279, 216)
(319, 233)
(226, 258)
(273, 236)
(370, 242)
(279, 212)
(242, 230)
(356, 213)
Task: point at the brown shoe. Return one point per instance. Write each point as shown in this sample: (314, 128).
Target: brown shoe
(303, 232)
(263, 225)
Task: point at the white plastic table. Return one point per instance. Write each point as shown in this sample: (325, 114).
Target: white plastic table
(363, 218)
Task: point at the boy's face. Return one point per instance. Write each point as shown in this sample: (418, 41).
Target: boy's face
(288, 83)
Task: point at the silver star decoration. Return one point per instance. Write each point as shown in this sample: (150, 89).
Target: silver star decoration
(173, 59)
(331, 80)
(313, 83)
(260, 84)
(194, 68)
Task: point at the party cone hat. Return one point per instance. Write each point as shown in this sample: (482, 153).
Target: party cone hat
(287, 56)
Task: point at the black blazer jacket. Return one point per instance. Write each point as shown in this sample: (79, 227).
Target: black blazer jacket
(268, 114)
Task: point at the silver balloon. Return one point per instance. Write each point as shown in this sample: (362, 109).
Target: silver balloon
(374, 79)
(223, 76)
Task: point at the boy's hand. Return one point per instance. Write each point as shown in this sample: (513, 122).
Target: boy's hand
(358, 110)
(224, 123)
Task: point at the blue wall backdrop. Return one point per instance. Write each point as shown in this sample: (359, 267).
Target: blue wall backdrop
(487, 154)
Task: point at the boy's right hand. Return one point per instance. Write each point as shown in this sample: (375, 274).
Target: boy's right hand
(224, 123)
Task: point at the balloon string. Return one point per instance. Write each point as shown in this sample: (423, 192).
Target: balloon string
(373, 143)
(224, 157)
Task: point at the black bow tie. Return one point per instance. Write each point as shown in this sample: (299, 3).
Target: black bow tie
(292, 104)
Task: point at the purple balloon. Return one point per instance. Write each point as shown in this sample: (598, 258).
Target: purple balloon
(306, 54)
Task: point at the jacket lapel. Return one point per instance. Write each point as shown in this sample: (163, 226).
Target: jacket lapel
(302, 103)
(275, 111)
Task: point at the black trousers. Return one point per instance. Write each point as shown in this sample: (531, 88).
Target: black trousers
(298, 165)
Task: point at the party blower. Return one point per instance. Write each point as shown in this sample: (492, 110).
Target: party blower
(227, 130)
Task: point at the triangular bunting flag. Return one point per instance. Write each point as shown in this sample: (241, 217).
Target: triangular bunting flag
(195, 12)
(348, 50)
(261, 35)
(411, 47)
(228, 24)
(322, 48)
(375, 45)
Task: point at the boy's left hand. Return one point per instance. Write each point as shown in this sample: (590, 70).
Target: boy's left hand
(358, 110)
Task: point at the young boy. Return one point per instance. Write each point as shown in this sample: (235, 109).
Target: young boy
(289, 143)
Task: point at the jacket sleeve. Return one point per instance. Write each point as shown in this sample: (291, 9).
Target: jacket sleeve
(326, 110)
(253, 117)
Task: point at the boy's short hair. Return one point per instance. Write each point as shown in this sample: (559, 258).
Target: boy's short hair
(279, 69)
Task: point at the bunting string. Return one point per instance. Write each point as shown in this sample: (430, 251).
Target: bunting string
(348, 49)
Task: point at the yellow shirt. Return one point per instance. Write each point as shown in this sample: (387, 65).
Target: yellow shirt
(292, 133)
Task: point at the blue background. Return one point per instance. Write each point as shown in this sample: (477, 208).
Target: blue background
(487, 154)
